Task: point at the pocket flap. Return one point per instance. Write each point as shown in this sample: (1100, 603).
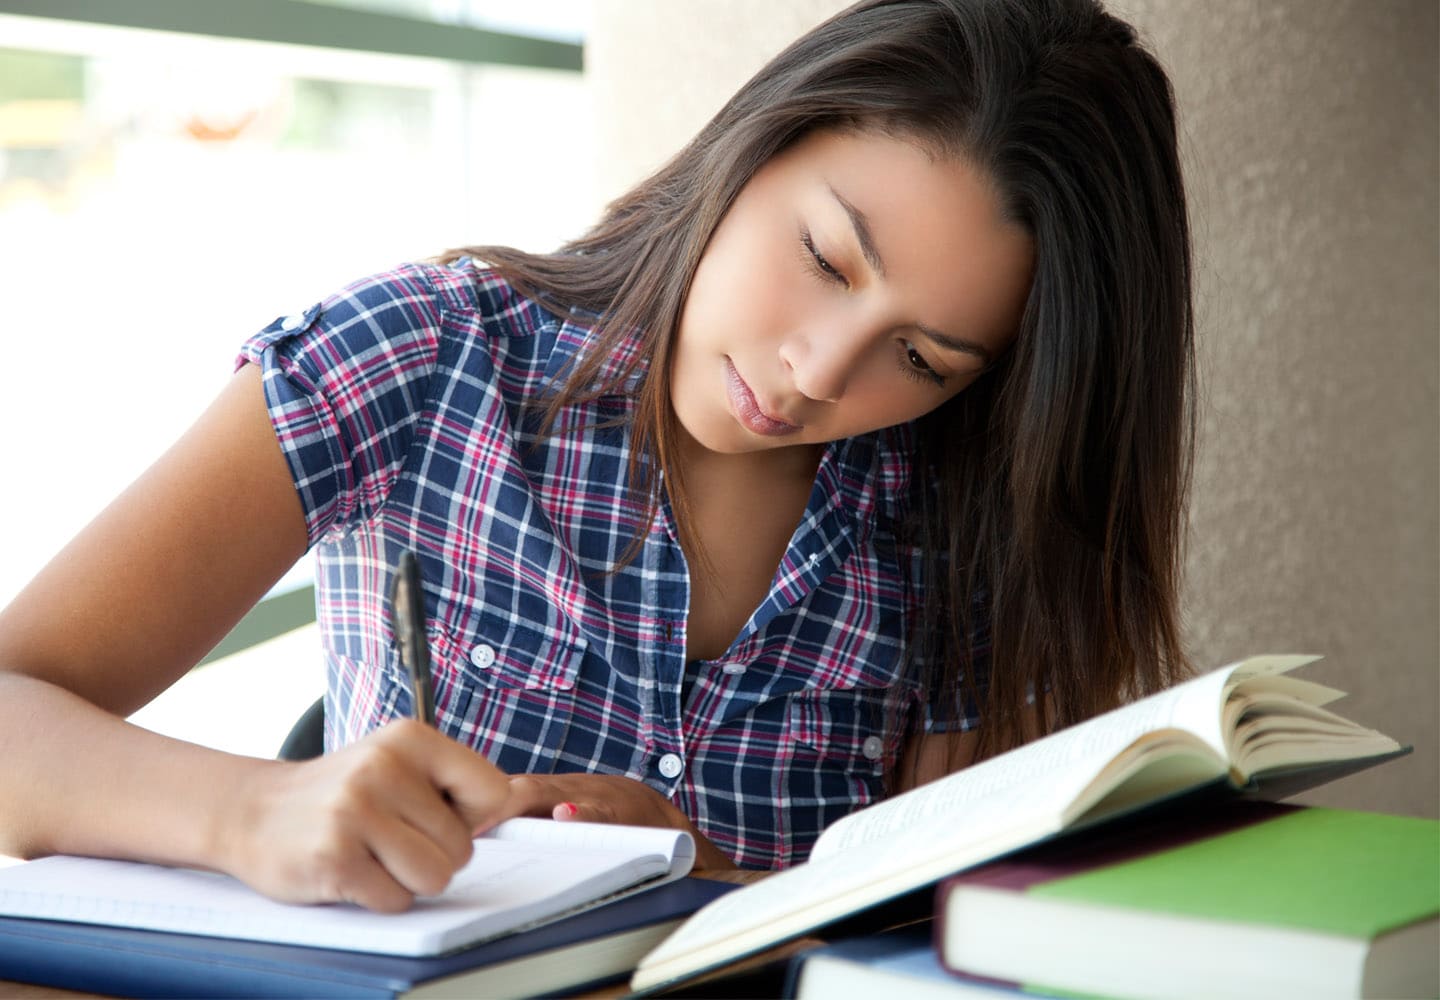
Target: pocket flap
(503, 651)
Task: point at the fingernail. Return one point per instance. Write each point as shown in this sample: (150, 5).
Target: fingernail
(570, 809)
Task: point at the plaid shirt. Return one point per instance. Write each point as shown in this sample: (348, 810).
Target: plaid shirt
(405, 407)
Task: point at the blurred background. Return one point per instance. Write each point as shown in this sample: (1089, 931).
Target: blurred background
(164, 193)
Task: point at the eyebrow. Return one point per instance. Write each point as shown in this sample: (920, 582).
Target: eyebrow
(871, 252)
(863, 235)
(957, 344)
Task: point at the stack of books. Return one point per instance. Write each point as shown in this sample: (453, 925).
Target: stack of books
(1244, 899)
(1179, 785)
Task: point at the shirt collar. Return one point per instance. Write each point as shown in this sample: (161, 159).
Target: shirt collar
(867, 476)
(576, 336)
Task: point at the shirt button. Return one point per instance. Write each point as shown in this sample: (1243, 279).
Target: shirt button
(872, 748)
(482, 656)
(292, 322)
(671, 765)
(733, 668)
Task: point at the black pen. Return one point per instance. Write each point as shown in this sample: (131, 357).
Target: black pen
(407, 619)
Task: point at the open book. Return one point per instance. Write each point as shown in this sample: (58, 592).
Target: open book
(524, 872)
(1241, 725)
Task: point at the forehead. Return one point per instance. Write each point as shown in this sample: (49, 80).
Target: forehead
(937, 222)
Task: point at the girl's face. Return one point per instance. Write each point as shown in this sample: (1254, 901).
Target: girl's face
(856, 282)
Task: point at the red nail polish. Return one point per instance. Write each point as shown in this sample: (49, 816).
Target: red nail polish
(570, 809)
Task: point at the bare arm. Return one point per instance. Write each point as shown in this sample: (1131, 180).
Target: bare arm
(144, 591)
(928, 756)
(125, 610)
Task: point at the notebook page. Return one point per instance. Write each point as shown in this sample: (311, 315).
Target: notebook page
(507, 884)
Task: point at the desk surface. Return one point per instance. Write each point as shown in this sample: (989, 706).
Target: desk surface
(25, 991)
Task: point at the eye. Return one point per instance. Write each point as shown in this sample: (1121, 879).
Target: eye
(914, 366)
(816, 261)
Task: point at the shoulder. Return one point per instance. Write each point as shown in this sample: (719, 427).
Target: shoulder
(400, 320)
(423, 296)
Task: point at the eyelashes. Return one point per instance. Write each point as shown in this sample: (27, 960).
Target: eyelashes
(914, 366)
(817, 263)
(911, 362)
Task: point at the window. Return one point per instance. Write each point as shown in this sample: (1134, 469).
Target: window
(163, 195)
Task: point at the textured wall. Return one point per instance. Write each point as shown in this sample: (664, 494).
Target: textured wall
(1310, 135)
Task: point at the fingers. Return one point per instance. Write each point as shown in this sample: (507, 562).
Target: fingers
(458, 785)
(584, 812)
(365, 881)
(591, 798)
(411, 860)
(590, 803)
(378, 823)
(533, 795)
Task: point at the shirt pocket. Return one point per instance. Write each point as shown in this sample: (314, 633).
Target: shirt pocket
(841, 729)
(499, 651)
(835, 761)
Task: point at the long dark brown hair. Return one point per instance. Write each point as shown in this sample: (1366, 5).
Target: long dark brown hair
(1050, 496)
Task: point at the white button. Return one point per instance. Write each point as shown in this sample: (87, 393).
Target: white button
(292, 322)
(872, 748)
(482, 656)
(733, 668)
(671, 765)
(814, 558)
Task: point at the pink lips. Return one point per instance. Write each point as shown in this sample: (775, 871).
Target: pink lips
(747, 409)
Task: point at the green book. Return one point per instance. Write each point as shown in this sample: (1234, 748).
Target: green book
(1254, 900)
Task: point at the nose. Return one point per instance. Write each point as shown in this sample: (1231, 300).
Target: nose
(822, 362)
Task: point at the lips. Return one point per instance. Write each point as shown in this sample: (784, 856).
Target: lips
(746, 407)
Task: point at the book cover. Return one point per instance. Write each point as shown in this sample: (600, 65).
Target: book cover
(587, 949)
(894, 964)
(1257, 899)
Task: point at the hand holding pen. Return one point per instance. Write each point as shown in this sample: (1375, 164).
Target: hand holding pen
(378, 822)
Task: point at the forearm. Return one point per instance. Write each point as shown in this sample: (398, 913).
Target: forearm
(79, 780)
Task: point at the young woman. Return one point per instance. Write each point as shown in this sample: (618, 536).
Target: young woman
(851, 446)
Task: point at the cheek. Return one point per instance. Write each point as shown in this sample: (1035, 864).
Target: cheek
(744, 287)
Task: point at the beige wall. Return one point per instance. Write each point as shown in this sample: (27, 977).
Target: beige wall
(1310, 132)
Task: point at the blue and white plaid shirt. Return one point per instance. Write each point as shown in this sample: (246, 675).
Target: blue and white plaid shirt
(405, 406)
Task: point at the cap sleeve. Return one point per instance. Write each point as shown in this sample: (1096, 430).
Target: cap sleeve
(345, 383)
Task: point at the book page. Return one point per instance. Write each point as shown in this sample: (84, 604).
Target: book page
(1055, 769)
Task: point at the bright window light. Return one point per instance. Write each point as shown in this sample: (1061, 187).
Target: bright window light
(163, 196)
